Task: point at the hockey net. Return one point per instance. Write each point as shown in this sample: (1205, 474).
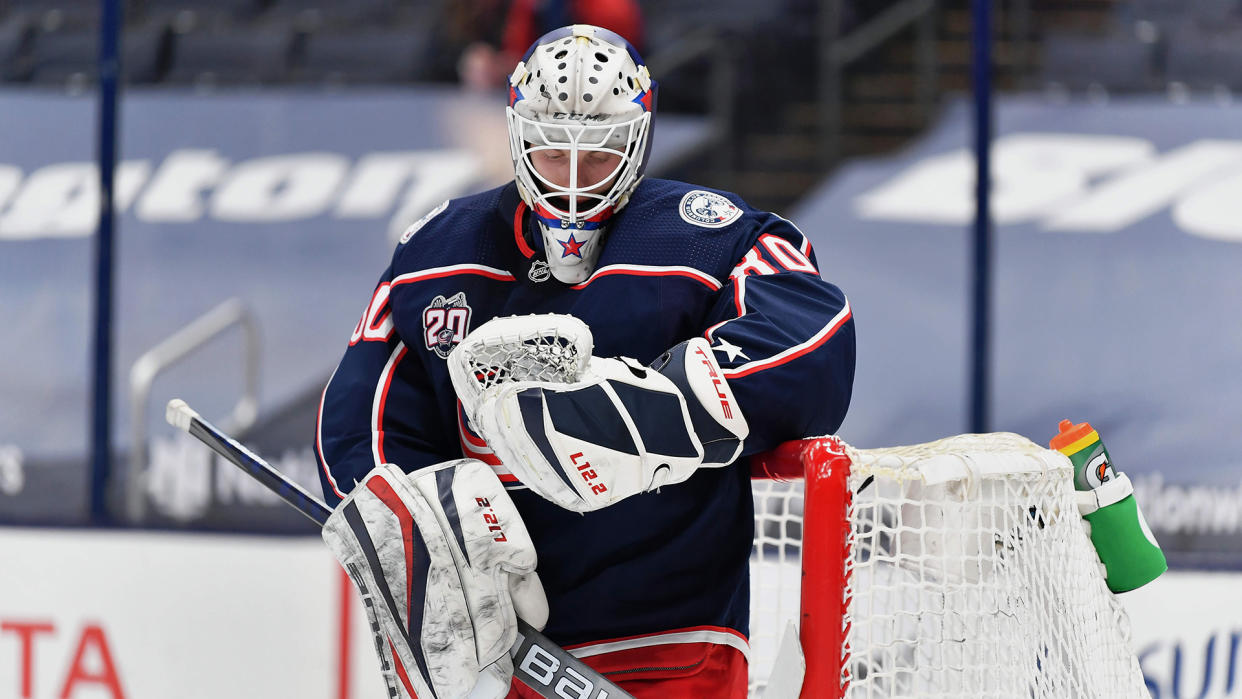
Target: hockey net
(955, 568)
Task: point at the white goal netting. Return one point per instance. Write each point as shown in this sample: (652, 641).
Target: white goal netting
(969, 573)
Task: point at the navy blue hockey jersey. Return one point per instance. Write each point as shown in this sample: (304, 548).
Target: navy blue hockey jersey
(677, 262)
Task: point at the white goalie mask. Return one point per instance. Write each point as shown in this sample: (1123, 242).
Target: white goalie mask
(581, 94)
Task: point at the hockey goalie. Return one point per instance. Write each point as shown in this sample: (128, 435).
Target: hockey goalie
(547, 407)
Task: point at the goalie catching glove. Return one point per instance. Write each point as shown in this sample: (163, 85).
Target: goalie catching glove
(585, 431)
(444, 566)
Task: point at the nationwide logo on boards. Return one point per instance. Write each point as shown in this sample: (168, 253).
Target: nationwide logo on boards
(61, 200)
(1073, 183)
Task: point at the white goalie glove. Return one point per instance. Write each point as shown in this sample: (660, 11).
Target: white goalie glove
(584, 431)
(444, 566)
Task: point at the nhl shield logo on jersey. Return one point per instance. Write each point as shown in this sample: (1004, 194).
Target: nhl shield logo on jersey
(708, 209)
(539, 271)
(445, 323)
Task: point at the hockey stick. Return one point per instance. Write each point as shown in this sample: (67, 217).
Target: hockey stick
(538, 662)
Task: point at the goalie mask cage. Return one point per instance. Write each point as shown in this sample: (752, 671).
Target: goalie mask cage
(955, 568)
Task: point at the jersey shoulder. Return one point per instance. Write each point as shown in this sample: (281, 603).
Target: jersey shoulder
(694, 209)
(671, 223)
(458, 231)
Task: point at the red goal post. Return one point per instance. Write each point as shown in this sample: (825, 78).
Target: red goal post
(823, 467)
(954, 568)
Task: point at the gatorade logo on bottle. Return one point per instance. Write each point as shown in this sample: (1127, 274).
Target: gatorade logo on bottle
(1099, 469)
(1081, 443)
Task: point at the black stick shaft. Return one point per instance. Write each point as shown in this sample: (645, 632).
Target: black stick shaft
(290, 492)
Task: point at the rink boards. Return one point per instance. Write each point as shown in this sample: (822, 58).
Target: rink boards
(206, 616)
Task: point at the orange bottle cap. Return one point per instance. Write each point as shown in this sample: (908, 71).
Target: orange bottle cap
(1070, 433)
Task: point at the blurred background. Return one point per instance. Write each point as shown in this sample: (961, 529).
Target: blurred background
(269, 153)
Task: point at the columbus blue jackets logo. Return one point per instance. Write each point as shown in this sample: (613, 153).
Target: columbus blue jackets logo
(708, 209)
(445, 323)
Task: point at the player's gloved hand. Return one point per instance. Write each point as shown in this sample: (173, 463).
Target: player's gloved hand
(615, 429)
(444, 566)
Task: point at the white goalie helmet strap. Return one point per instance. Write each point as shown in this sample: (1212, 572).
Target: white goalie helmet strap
(579, 89)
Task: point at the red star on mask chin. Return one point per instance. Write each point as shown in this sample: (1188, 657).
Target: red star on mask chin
(571, 247)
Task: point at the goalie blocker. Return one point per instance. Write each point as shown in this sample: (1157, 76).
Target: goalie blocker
(585, 432)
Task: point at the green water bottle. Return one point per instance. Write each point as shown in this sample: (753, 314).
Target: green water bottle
(1124, 543)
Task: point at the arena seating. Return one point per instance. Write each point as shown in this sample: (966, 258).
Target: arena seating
(69, 56)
